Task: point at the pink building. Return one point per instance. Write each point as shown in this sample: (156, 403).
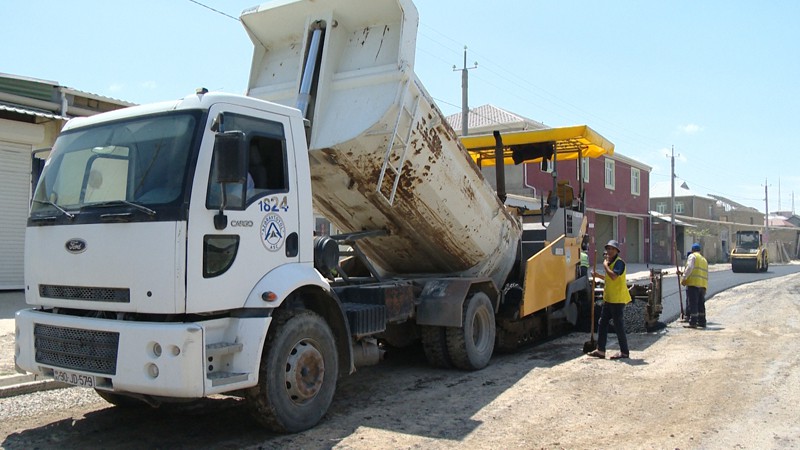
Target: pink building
(617, 187)
(617, 200)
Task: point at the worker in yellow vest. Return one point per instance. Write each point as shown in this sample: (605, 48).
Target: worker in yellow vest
(695, 278)
(584, 259)
(584, 271)
(615, 297)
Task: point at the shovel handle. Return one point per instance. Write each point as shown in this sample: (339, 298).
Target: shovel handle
(591, 296)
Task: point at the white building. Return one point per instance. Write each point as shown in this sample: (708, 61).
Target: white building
(32, 113)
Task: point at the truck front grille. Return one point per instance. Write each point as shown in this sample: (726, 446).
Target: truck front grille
(73, 348)
(96, 294)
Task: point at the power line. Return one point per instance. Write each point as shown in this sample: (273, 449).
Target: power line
(565, 109)
(446, 102)
(633, 138)
(555, 98)
(215, 10)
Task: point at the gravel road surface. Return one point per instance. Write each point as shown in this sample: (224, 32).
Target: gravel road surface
(732, 385)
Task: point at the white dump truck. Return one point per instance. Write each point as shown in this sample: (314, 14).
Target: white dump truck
(170, 248)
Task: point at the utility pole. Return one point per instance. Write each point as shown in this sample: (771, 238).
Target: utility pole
(766, 215)
(672, 204)
(675, 259)
(464, 90)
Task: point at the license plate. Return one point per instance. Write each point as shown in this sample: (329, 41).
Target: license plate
(73, 378)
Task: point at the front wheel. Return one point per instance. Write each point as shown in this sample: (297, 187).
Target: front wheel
(298, 373)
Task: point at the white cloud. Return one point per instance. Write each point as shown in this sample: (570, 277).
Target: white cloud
(690, 128)
(116, 87)
(149, 85)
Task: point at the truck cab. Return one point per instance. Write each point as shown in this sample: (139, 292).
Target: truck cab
(130, 240)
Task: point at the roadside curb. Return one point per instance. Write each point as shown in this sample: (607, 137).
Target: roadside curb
(20, 384)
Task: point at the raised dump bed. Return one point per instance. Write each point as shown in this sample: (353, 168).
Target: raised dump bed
(382, 155)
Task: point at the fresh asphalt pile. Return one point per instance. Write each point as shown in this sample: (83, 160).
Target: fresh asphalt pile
(634, 315)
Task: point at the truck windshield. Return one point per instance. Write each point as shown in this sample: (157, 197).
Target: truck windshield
(139, 163)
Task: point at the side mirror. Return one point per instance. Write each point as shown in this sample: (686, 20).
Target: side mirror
(229, 157)
(229, 163)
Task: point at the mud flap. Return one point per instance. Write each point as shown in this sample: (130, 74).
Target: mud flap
(442, 300)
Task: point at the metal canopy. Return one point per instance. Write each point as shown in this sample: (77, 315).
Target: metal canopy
(31, 112)
(568, 142)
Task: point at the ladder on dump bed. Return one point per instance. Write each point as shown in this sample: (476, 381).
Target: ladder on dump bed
(397, 148)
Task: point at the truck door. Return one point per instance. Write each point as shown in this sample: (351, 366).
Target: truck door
(260, 232)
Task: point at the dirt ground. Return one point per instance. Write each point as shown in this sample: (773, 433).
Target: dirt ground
(7, 357)
(735, 384)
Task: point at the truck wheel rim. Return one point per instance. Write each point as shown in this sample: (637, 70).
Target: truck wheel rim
(305, 371)
(480, 325)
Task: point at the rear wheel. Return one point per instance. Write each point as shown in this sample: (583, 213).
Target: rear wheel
(472, 345)
(298, 373)
(434, 343)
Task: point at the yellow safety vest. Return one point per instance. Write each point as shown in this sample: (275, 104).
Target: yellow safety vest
(699, 275)
(616, 291)
(584, 259)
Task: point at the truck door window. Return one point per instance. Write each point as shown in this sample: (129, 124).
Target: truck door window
(266, 163)
(266, 167)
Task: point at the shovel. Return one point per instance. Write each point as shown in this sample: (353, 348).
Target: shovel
(590, 345)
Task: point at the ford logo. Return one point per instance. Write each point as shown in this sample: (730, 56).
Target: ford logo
(76, 245)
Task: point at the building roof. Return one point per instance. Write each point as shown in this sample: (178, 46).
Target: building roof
(48, 99)
(662, 189)
(668, 218)
(490, 117)
(733, 204)
(780, 221)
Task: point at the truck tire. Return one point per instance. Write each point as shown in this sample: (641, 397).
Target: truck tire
(434, 343)
(298, 373)
(471, 346)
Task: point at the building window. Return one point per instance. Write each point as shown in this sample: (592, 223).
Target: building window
(678, 207)
(610, 173)
(635, 184)
(661, 207)
(546, 166)
(585, 169)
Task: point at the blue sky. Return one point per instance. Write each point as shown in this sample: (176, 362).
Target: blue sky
(718, 80)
